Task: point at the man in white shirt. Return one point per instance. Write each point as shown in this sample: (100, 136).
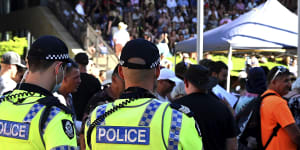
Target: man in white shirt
(178, 18)
(165, 84)
(9, 63)
(79, 8)
(120, 38)
(172, 4)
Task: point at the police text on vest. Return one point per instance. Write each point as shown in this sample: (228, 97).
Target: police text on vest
(14, 129)
(123, 135)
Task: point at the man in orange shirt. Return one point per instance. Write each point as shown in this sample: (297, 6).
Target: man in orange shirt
(274, 110)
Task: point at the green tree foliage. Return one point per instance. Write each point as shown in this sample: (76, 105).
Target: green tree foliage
(16, 45)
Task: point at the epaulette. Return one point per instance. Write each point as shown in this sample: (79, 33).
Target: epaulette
(50, 101)
(182, 109)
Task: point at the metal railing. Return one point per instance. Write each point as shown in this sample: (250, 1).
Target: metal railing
(83, 33)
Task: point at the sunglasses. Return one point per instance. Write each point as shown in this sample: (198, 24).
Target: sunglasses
(280, 69)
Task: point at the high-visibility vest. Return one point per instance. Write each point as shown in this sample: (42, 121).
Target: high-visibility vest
(20, 124)
(143, 124)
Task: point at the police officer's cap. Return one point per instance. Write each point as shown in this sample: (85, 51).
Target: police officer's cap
(140, 48)
(49, 48)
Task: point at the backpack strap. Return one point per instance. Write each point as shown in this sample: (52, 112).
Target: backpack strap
(274, 133)
(268, 94)
(275, 129)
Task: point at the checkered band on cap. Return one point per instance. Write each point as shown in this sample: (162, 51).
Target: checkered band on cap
(53, 112)
(175, 130)
(32, 112)
(149, 113)
(57, 57)
(100, 111)
(64, 147)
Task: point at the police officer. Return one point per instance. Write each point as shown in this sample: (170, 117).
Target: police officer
(138, 121)
(30, 116)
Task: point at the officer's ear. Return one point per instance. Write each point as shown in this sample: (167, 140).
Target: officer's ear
(57, 67)
(186, 83)
(120, 72)
(157, 72)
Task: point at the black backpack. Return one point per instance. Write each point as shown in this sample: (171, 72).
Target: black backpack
(248, 121)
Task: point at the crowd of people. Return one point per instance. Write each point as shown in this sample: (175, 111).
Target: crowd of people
(53, 102)
(163, 22)
(129, 105)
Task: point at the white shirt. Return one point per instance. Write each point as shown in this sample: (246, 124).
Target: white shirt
(177, 20)
(215, 12)
(121, 37)
(250, 5)
(178, 90)
(160, 98)
(6, 84)
(79, 9)
(171, 3)
(133, 2)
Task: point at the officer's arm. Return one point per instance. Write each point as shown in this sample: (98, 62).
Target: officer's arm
(60, 133)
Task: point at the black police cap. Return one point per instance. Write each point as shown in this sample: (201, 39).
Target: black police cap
(140, 48)
(49, 48)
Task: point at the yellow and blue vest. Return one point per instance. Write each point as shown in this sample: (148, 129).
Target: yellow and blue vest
(20, 123)
(143, 124)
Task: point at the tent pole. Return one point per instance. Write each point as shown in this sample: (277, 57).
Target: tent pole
(175, 61)
(229, 68)
(200, 22)
(298, 49)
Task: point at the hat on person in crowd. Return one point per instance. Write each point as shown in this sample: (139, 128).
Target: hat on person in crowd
(122, 26)
(12, 58)
(200, 77)
(140, 48)
(82, 58)
(167, 74)
(108, 77)
(49, 48)
(256, 81)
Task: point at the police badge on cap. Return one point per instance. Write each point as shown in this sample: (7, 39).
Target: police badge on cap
(68, 128)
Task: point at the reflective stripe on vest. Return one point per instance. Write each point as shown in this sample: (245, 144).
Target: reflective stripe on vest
(175, 130)
(53, 112)
(100, 111)
(149, 113)
(64, 147)
(32, 112)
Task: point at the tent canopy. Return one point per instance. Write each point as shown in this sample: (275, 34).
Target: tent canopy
(268, 26)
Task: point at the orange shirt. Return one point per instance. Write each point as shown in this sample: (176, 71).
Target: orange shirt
(274, 109)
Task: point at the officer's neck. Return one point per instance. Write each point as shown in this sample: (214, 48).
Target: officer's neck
(146, 86)
(42, 79)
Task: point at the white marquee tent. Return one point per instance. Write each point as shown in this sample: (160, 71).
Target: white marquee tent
(269, 25)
